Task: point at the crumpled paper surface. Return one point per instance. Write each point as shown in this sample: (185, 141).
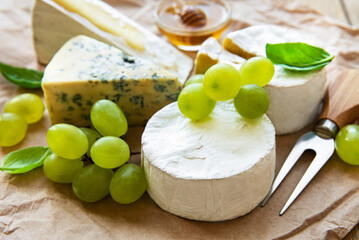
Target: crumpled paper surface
(31, 207)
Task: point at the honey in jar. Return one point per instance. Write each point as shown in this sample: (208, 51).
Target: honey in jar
(189, 25)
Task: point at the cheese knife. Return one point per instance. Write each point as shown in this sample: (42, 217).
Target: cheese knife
(341, 107)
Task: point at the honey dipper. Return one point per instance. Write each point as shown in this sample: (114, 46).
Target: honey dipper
(190, 15)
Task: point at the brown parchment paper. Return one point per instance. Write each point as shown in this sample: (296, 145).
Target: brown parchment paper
(31, 207)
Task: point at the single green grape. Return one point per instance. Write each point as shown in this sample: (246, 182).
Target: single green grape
(256, 70)
(12, 129)
(110, 152)
(29, 105)
(61, 170)
(221, 82)
(92, 183)
(197, 78)
(194, 103)
(128, 184)
(347, 144)
(67, 141)
(251, 101)
(108, 119)
(92, 136)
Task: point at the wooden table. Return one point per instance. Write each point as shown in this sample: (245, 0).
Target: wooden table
(346, 11)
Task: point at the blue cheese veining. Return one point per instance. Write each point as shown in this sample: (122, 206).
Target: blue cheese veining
(85, 70)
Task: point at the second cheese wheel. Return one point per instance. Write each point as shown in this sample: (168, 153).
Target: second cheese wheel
(295, 97)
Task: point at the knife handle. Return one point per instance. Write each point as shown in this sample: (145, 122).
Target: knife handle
(341, 102)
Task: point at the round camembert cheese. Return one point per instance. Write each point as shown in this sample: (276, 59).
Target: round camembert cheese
(213, 170)
(295, 97)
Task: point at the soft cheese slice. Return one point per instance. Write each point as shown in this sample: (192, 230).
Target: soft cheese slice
(56, 21)
(210, 53)
(85, 70)
(295, 98)
(249, 41)
(213, 170)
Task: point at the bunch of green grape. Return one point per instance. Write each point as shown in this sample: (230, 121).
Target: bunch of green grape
(223, 82)
(108, 172)
(19, 111)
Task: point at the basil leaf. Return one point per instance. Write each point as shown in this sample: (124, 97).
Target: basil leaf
(298, 56)
(27, 78)
(24, 160)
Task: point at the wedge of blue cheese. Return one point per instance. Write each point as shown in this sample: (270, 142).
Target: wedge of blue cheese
(85, 70)
(56, 21)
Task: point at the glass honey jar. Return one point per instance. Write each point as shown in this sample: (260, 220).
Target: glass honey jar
(188, 23)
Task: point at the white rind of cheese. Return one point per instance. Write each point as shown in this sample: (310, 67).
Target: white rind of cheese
(211, 52)
(85, 70)
(213, 170)
(295, 98)
(53, 25)
(250, 42)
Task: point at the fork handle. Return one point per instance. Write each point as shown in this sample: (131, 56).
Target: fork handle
(341, 103)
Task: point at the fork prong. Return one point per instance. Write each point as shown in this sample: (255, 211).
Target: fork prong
(292, 158)
(320, 159)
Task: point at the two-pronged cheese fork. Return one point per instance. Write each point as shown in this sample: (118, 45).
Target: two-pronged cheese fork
(341, 107)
